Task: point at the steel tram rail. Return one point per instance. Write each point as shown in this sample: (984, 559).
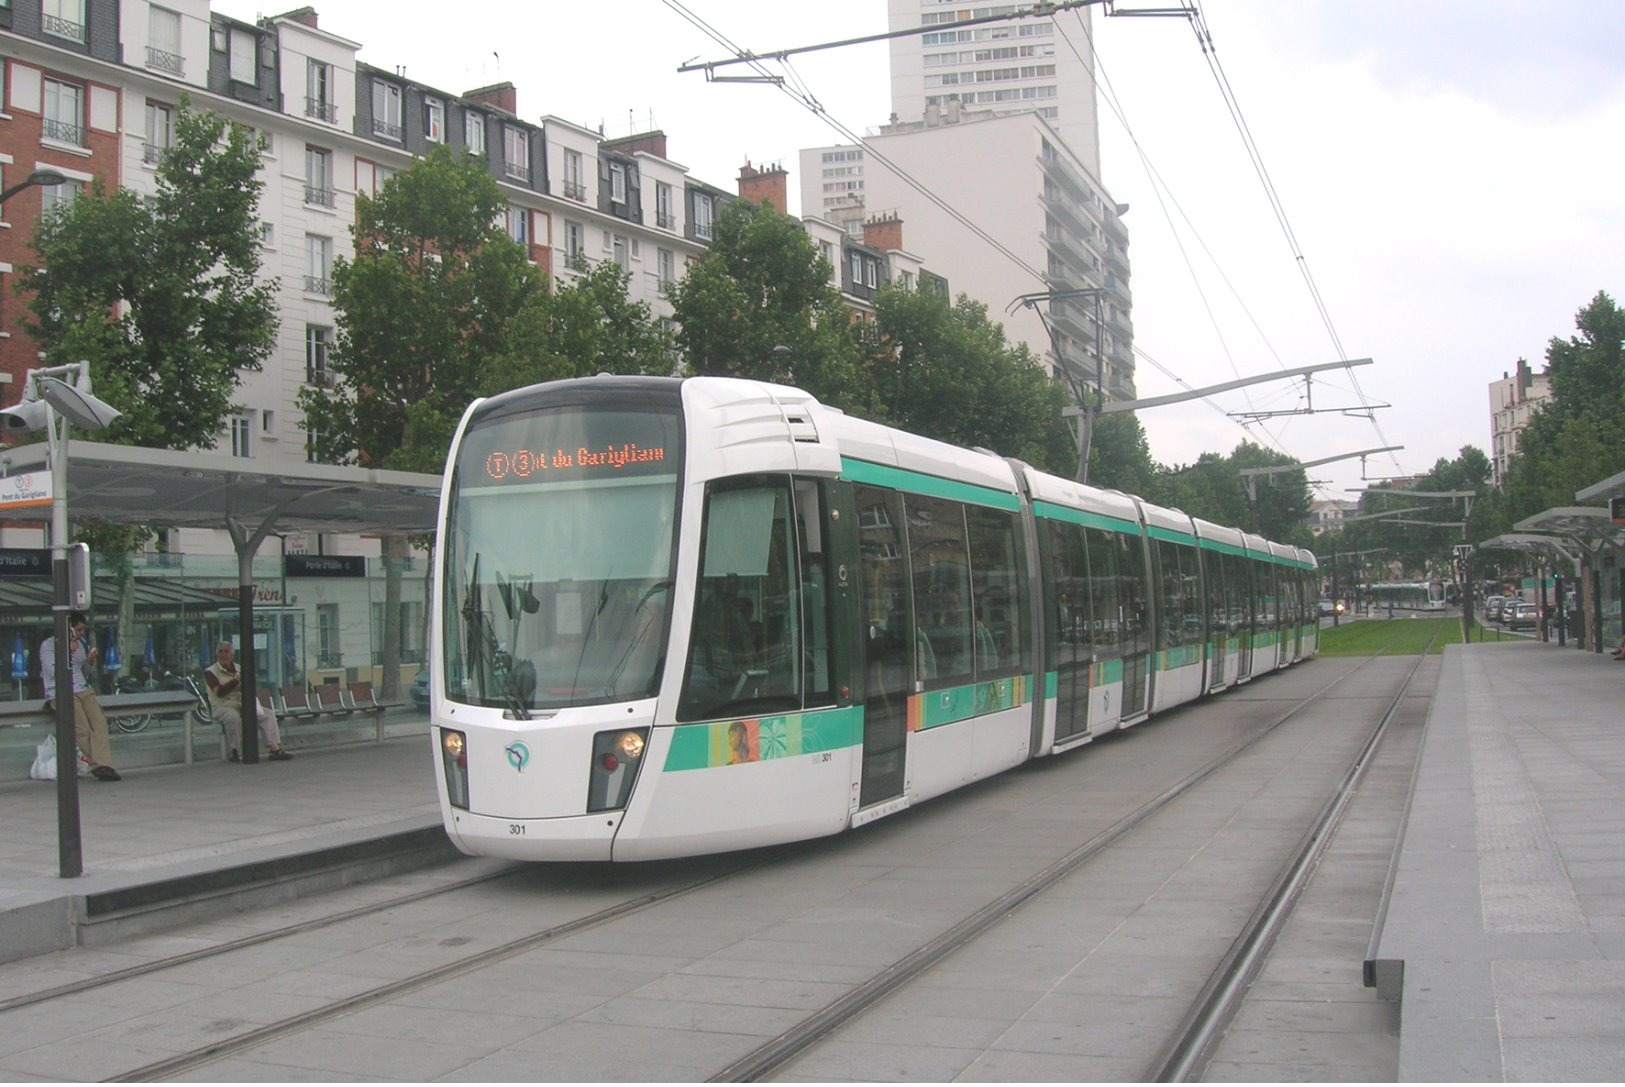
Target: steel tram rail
(755, 1065)
(1188, 1051)
(169, 962)
(774, 1055)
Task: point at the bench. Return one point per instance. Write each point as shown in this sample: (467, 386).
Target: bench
(31, 711)
(333, 701)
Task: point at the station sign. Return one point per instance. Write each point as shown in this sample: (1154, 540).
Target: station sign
(25, 490)
(325, 566)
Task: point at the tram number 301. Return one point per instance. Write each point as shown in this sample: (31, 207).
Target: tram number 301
(516, 828)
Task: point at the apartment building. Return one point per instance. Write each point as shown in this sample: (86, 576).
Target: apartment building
(1513, 401)
(91, 89)
(1041, 64)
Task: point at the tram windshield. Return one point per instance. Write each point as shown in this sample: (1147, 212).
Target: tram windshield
(559, 552)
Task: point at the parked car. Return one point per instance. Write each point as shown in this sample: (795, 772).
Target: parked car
(1326, 606)
(420, 688)
(1523, 616)
(1492, 609)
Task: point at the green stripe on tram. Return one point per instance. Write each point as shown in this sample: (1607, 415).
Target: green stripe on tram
(901, 479)
(780, 736)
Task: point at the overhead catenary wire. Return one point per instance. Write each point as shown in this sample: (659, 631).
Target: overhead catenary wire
(1204, 36)
(804, 96)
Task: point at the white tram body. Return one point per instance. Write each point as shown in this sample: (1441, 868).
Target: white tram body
(676, 617)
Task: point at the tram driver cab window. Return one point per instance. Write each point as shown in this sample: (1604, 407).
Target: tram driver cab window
(748, 647)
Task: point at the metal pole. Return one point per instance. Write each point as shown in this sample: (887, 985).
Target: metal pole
(69, 842)
(245, 667)
(1334, 586)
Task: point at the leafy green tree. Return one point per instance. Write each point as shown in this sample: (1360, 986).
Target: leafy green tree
(430, 296)
(161, 294)
(587, 326)
(1577, 436)
(763, 286)
(948, 373)
(1120, 455)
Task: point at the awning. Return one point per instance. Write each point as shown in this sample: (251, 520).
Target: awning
(124, 485)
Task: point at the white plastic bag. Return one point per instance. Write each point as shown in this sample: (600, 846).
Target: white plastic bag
(44, 768)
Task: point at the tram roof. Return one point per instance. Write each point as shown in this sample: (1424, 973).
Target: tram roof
(126, 485)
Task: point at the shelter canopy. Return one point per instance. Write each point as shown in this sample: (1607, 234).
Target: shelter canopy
(125, 485)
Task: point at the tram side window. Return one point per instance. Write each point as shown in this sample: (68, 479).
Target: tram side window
(1131, 588)
(998, 595)
(745, 648)
(818, 683)
(1213, 579)
(1181, 614)
(1238, 601)
(942, 590)
(1069, 608)
(892, 670)
(1107, 629)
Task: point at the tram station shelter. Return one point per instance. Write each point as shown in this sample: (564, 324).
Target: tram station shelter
(307, 543)
(1588, 546)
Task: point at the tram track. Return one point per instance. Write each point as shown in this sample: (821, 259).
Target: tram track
(1188, 1050)
(761, 1062)
(1213, 1006)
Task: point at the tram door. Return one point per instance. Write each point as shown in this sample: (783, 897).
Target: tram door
(1242, 607)
(1134, 603)
(887, 634)
(1218, 643)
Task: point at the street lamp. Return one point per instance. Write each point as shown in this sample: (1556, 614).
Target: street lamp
(38, 177)
(49, 403)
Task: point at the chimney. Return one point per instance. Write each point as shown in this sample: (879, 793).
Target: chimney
(306, 15)
(653, 143)
(500, 95)
(770, 185)
(884, 232)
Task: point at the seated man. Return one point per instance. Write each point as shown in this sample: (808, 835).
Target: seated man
(226, 695)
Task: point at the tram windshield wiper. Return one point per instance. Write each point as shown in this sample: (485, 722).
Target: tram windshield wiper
(492, 665)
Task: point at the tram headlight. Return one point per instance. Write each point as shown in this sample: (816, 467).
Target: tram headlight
(454, 764)
(616, 757)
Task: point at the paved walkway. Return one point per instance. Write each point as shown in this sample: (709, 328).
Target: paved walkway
(170, 824)
(1508, 908)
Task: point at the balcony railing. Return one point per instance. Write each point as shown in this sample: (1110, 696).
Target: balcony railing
(151, 153)
(315, 194)
(63, 132)
(164, 61)
(318, 285)
(385, 129)
(520, 171)
(62, 28)
(575, 190)
(326, 111)
(665, 220)
(319, 376)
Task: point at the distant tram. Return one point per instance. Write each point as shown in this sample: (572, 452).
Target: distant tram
(676, 617)
(1411, 595)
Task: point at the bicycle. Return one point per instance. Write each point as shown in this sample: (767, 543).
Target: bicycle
(202, 712)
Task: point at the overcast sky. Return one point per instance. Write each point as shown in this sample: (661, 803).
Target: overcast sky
(1451, 173)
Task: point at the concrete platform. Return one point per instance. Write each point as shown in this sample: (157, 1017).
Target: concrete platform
(173, 841)
(1508, 905)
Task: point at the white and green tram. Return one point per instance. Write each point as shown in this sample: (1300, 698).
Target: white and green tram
(676, 617)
